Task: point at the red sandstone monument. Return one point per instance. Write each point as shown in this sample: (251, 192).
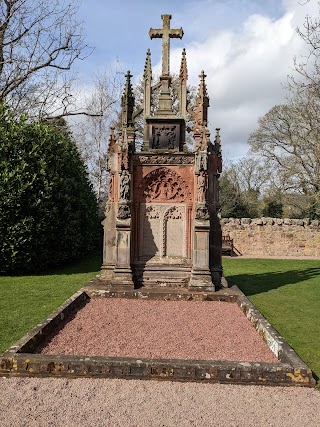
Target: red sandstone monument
(162, 226)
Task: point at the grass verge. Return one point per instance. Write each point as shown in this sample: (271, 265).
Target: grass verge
(26, 300)
(287, 293)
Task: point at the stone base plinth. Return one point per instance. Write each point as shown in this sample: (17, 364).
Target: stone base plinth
(201, 280)
(107, 272)
(172, 276)
(122, 278)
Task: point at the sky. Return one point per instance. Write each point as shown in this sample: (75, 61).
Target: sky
(245, 47)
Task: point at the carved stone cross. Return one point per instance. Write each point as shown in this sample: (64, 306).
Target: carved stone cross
(166, 33)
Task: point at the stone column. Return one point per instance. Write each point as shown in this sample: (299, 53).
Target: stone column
(122, 275)
(109, 242)
(201, 274)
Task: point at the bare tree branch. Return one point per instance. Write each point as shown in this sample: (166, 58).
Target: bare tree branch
(40, 40)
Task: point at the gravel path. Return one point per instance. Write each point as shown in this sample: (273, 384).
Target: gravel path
(161, 329)
(35, 402)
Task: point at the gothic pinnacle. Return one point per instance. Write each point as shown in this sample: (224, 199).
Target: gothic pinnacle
(183, 68)
(147, 74)
(202, 92)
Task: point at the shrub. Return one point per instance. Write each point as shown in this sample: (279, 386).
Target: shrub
(48, 212)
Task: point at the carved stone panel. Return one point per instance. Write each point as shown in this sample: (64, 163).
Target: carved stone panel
(163, 232)
(164, 184)
(164, 136)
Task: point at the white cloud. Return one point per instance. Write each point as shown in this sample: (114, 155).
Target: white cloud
(246, 48)
(246, 70)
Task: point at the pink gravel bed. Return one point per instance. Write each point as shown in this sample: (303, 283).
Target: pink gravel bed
(205, 330)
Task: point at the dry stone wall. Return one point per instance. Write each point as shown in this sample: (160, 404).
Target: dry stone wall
(274, 236)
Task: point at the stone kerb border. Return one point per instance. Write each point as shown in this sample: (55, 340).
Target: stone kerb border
(20, 359)
(274, 340)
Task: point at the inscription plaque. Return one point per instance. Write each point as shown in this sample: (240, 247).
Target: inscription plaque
(163, 235)
(174, 245)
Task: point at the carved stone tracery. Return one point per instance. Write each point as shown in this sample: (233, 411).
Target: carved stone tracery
(164, 184)
(162, 159)
(152, 212)
(175, 212)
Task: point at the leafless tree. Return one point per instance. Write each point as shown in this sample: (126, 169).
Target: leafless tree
(251, 177)
(288, 137)
(307, 67)
(39, 42)
(92, 132)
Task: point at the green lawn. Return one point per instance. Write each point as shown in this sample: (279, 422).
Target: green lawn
(26, 300)
(287, 292)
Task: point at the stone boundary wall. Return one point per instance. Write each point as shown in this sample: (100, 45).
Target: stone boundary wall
(273, 236)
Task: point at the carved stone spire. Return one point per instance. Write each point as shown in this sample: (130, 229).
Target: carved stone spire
(183, 68)
(147, 74)
(147, 77)
(112, 137)
(183, 85)
(202, 91)
(217, 139)
(200, 131)
(127, 103)
(217, 150)
(202, 101)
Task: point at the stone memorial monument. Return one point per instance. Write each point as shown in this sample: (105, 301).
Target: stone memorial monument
(161, 226)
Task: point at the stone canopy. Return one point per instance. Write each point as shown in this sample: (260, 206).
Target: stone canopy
(161, 225)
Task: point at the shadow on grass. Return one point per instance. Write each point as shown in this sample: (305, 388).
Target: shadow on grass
(87, 264)
(253, 284)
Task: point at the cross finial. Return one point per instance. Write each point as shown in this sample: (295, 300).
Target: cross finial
(166, 33)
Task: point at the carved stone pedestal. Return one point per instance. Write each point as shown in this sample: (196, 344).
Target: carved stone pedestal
(201, 274)
(122, 278)
(169, 276)
(201, 280)
(122, 274)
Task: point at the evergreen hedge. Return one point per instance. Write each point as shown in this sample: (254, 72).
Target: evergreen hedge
(48, 212)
